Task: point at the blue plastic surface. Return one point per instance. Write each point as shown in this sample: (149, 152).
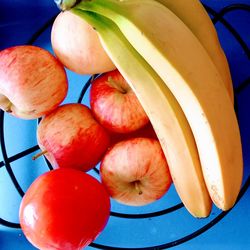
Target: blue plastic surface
(19, 21)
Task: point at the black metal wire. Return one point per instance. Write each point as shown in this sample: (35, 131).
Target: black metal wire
(5, 157)
(20, 155)
(42, 29)
(183, 239)
(9, 224)
(216, 17)
(148, 215)
(242, 86)
(85, 87)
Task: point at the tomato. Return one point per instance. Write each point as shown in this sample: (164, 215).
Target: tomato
(64, 209)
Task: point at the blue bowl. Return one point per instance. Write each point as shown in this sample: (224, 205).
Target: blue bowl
(164, 223)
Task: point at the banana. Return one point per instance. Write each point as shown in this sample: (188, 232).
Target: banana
(194, 15)
(178, 57)
(164, 112)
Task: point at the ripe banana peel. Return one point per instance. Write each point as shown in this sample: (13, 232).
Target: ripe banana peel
(184, 65)
(179, 61)
(194, 15)
(168, 120)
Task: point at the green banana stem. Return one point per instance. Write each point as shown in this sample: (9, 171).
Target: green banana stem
(66, 4)
(103, 27)
(69, 4)
(97, 22)
(102, 7)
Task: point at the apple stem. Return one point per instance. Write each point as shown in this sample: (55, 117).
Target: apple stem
(137, 187)
(5, 103)
(92, 78)
(117, 86)
(39, 154)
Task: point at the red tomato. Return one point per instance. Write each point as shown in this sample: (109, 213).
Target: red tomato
(64, 209)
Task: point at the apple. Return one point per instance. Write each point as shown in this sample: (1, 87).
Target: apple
(70, 137)
(64, 209)
(78, 46)
(32, 81)
(135, 171)
(115, 105)
(146, 131)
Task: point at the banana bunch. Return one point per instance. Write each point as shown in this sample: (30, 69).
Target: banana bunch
(169, 53)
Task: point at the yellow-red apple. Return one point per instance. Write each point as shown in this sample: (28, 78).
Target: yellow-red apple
(135, 171)
(32, 81)
(77, 45)
(70, 137)
(115, 105)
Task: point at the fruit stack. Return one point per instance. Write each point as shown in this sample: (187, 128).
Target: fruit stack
(161, 112)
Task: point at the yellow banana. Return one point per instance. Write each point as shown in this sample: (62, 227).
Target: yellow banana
(178, 57)
(164, 112)
(194, 15)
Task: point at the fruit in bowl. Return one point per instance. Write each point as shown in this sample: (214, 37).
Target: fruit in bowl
(135, 171)
(32, 81)
(64, 209)
(70, 137)
(77, 45)
(115, 105)
(146, 131)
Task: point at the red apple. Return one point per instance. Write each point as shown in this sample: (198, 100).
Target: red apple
(72, 138)
(115, 104)
(32, 81)
(64, 209)
(135, 171)
(146, 131)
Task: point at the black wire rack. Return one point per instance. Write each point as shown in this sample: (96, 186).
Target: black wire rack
(218, 17)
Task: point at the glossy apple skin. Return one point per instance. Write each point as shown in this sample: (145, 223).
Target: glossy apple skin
(64, 209)
(115, 105)
(135, 171)
(72, 137)
(33, 80)
(77, 45)
(146, 131)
